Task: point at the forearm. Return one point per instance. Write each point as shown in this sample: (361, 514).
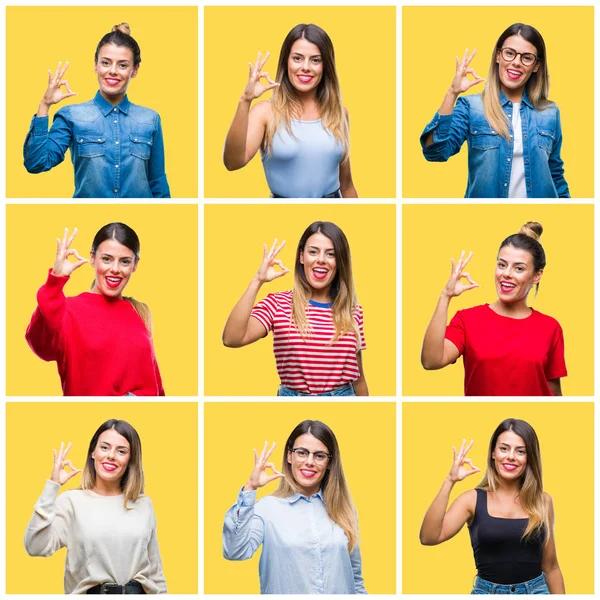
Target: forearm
(431, 529)
(349, 191)
(234, 154)
(43, 109)
(447, 108)
(432, 353)
(555, 581)
(237, 323)
(360, 386)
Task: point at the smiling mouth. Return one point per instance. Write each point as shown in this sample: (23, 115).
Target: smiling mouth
(513, 74)
(305, 78)
(109, 467)
(112, 81)
(509, 467)
(307, 473)
(113, 282)
(506, 287)
(320, 273)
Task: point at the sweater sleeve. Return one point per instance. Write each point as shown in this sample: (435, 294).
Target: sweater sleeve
(48, 528)
(44, 333)
(243, 530)
(156, 574)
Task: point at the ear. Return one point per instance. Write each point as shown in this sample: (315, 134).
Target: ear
(95, 67)
(302, 256)
(289, 457)
(498, 56)
(538, 276)
(537, 66)
(92, 258)
(135, 71)
(135, 265)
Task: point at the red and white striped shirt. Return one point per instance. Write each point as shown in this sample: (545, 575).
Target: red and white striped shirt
(312, 365)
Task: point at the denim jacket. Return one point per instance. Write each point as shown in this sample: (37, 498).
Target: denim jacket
(490, 155)
(117, 151)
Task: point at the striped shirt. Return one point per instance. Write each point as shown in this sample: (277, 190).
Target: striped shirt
(312, 365)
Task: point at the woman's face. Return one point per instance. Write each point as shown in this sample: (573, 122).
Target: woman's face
(510, 456)
(308, 471)
(515, 275)
(305, 65)
(111, 456)
(113, 264)
(318, 259)
(513, 73)
(115, 70)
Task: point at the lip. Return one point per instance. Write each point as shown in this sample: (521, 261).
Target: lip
(115, 283)
(322, 274)
(109, 467)
(305, 78)
(507, 287)
(514, 74)
(510, 467)
(112, 81)
(308, 473)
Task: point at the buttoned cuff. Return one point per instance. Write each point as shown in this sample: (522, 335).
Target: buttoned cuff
(246, 499)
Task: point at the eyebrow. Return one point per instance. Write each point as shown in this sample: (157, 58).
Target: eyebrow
(508, 445)
(317, 248)
(111, 256)
(118, 447)
(312, 56)
(517, 263)
(123, 60)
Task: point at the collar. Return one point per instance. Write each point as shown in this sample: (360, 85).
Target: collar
(320, 304)
(525, 99)
(106, 107)
(296, 496)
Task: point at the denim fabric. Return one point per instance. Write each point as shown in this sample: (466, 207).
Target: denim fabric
(347, 390)
(533, 586)
(117, 151)
(490, 155)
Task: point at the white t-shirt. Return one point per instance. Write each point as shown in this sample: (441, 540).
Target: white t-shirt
(517, 187)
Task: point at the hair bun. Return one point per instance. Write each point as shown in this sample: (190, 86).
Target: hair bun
(123, 28)
(532, 229)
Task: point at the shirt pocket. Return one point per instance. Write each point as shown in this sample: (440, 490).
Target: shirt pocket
(545, 139)
(140, 145)
(90, 145)
(483, 137)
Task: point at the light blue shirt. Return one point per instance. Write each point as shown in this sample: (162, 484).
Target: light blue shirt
(305, 164)
(304, 551)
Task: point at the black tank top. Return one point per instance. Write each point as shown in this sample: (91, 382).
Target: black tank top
(500, 555)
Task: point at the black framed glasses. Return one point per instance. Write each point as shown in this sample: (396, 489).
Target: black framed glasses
(527, 58)
(302, 455)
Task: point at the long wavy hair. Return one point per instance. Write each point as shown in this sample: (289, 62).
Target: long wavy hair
(286, 102)
(538, 85)
(342, 291)
(531, 488)
(132, 482)
(126, 236)
(336, 495)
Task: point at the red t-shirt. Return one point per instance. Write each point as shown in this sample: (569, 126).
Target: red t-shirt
(313, 365)
(505, 356)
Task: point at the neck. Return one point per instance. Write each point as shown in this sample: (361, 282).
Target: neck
(309, 492)
(516, 310)
(513, 95)
(106, 488)
(321, 296)
(113, 99)
(508, 488)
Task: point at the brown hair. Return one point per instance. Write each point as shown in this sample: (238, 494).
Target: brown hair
(120, 35)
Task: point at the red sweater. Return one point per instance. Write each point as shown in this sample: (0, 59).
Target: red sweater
(505, 356)
(100, 344)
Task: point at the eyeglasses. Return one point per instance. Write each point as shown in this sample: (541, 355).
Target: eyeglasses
(527, 58)
(302, 454)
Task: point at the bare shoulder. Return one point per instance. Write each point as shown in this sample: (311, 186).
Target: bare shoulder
(468, 499)
(262, 109)
(548, 502)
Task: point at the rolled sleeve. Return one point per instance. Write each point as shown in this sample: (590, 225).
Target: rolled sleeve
(449, 133)
(157, 177)
(556, 163)
(45, 149)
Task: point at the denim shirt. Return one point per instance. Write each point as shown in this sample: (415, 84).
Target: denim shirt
(490, 154)
(304, 551)
(117, 151)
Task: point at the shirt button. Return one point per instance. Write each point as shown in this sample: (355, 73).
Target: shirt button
(508, 160)
(135, 139)
(115, 121)
(505, 184)
(525, 136)
(510, 115)
(99, 140)
(475, 132)
(116, 191)
(117, 143)
(526, 161)
(115, 109)
(529, 184)
(81, 141)
(116, 166)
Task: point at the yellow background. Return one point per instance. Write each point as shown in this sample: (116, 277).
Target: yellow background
(433, 234)
(364, 39)
(429, 65)
(166, 279)
(37, 37)
(233, 239)
(170, 470)
(368, 453)
(429, 430)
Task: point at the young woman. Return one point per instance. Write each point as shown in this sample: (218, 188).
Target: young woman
(308, 528)
(107, 525)
(510, 517)
(303, 130)
(512, 129)
(101, 341)
(318, 327)
(116, 146)
(509, 348)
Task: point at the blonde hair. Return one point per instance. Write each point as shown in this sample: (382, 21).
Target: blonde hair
(286, 103)
(343, 295)
(538, 85)
(336, 495)
(132, 482)
(531, 492)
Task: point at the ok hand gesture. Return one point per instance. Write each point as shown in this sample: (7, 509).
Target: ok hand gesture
(254, 88)
(259, 476)
(266, 271)
(59, 474)
(455, 287)
(63, 267)
(458, 472)
(54, 94)
(461, 83)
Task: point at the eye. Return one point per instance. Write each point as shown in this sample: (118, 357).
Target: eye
(103, 447)
(126, 261)
(316, 60)
(302, 453)
(124, 65)
(320, 456)
(296, 58)
(500, 264)
(122, 451)
(106, 259)
(331, 254)
(522, 452)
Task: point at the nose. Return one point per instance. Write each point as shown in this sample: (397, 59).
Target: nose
(305, 65)
(114, 267)
(310, 459)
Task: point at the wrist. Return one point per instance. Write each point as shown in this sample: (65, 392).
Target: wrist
(449, 481)
(249, 487)
(246, 101)
(452, 94)
(257, 281)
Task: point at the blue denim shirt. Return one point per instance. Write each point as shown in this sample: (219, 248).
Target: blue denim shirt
(490, 154)
(117, 151)
(303, 550)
